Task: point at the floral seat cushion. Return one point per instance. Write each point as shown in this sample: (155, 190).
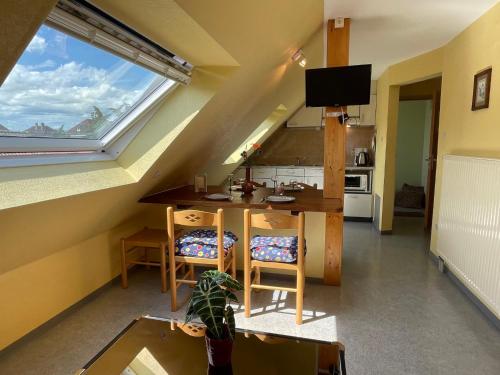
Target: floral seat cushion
(275, 249)
(202, 243)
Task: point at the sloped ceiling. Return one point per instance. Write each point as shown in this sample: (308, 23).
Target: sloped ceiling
(17, 28)
(242, 47)
(171, 27)
(385, 32)
(261, 36)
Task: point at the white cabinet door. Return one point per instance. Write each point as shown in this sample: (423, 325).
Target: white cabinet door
(313, 171)
(293, 172)
(263, 172)
(368, 112)
(358, 205)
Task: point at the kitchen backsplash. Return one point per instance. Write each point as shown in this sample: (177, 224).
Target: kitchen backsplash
(360, 136)
(290, 146)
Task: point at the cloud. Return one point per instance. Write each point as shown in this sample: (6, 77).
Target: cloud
(38, 44)
(43, 65)
(64, 95)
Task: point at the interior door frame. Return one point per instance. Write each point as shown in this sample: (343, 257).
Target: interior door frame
(432, 159)
(435, 98)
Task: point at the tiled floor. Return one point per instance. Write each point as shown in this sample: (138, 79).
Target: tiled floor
(395, 314)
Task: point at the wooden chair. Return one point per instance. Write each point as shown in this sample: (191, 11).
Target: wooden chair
(149, 239)
(274, 221)
(306, 186)
(226, 258)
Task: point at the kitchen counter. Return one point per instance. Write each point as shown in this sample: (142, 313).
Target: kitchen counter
(310, 200)
(308, 166)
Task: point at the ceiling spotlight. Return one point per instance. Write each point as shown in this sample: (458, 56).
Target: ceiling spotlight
(300, 58)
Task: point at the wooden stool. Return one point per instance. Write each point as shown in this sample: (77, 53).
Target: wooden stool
(274, 221)
(148, 239)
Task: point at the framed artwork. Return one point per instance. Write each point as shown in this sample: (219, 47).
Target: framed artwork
(481, 95)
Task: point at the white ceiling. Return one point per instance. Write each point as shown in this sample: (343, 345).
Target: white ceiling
(384, 32)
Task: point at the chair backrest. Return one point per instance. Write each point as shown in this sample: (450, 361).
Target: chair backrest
(193, 330)
(195, 218)
(275, 220)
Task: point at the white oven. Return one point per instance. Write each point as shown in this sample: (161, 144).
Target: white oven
(356, 182)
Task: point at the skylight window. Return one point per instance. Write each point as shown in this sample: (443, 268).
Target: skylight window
(82, 81)
(257, 135)
(62, 87)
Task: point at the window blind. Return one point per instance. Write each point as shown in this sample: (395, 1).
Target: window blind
(86, 22)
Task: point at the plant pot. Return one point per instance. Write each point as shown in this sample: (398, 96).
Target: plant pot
(219, 353)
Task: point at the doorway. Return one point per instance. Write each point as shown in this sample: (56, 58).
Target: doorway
(416, 149)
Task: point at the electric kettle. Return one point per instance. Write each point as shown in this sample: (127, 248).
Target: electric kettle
(362, 159)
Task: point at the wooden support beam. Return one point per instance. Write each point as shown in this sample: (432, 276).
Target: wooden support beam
(334, 158)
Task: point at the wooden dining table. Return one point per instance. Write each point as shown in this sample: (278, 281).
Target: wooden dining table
(305, 200)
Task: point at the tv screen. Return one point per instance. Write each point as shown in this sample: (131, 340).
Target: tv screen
(339, 86)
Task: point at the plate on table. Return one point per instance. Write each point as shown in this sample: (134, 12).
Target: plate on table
(280, 199)
(219, 197)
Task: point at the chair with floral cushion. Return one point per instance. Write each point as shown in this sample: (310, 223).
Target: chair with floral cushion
(206, 247)
(274, 252)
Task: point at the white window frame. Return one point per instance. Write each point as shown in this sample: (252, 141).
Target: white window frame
(109, 147)
(45, 150)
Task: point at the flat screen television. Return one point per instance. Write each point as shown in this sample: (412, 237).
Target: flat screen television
(339, 86)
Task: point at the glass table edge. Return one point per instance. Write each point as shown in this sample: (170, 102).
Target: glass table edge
(170, 320)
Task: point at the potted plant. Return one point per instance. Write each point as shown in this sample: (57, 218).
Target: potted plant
(210, 302)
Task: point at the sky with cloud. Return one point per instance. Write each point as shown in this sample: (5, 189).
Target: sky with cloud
(59, 79)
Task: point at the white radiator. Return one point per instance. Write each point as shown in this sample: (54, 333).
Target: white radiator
(469, 225)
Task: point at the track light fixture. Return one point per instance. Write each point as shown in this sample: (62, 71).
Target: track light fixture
(300, 58)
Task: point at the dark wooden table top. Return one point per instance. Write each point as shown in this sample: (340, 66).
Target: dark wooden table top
(307, 200)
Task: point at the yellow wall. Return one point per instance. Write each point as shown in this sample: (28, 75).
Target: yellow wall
(60, 225)
(39, 290)
(461, 131)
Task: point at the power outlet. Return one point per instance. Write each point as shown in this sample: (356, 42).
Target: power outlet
(339, 23)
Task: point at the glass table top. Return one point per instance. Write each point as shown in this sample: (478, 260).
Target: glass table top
(153, 346)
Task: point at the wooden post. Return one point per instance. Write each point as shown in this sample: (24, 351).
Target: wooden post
(334, 158)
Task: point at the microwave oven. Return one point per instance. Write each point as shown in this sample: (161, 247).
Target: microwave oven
(356, 182)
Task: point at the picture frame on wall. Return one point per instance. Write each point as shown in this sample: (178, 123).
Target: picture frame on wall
(482, 86)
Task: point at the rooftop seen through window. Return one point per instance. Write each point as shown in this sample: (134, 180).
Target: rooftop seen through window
(62, 87)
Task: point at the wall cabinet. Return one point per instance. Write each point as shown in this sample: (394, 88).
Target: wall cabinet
(367, 113)
(363, 115)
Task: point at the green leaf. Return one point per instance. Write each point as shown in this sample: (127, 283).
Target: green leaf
(222, 278)
(229, 318)
(190, 314)
(209, 299)
(230, 295)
